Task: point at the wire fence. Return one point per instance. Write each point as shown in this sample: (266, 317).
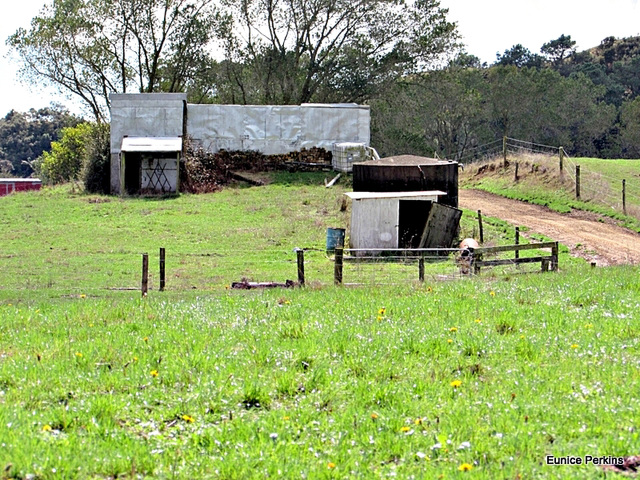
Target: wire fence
(81, 274)
(582, 181)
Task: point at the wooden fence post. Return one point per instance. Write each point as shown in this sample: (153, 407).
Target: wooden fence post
(300, 255)
(624, 196)
(337, 270)
(516, 172)
(145, 274)
(517, 253)
(561, 154)
(554, 257)
(504, 151)
(162, 268)
(475, 261)
(578, 182)
(421, 269)
(480, 226)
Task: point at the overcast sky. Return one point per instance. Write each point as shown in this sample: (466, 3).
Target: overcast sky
(487, 27)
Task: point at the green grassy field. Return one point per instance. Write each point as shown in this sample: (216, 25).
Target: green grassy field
(463, 378)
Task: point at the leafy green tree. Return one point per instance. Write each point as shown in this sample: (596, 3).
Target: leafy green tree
(519, 56)
(91, 48)
(630, 128)
(559, 49)
(297, 51)
(24, 136)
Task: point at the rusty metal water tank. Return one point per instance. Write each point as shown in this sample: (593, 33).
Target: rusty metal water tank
(408, 173)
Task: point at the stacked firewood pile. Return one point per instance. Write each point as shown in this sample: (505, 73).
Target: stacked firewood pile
(203, 171)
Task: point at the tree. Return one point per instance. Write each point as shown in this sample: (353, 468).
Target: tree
(519, 56)
(557, 50)
(91, 48)
(296, 51)
(24, 136)
(630, 125)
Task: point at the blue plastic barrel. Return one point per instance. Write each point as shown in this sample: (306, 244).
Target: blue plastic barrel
(335, 238)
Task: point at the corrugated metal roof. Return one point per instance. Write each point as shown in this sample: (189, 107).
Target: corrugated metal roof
(151, 144)
(368, 195)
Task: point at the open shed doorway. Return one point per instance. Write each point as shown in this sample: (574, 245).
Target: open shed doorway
(150, 165)
(412, 217)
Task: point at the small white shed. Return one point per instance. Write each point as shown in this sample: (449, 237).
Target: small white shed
(150, 164)
(389, 219)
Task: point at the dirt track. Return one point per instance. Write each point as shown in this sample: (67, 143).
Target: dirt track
(587, 235)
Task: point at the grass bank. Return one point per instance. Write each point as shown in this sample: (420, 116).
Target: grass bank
(539, 182)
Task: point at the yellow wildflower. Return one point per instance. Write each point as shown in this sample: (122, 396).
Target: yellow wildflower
(493, 294)
(418, 421)
(405, 429)
(465, 467)
(453, 329)
(79, 355)
(382, 311)
(478, 320)
(374, 416)
(331, 465)
(589, 325)
(146, 339)
(82, 295)
(135, 359)
(429, 289)
(456, 383)
(154, 373)
(46, 428)
(575, 345)
(379, 318)
(286, 417)
(449, 340)
(188, 418)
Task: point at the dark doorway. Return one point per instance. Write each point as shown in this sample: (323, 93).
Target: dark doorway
(412, 218)
(132, 173)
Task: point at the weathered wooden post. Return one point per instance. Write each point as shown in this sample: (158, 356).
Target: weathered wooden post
(578, 182)
(561, 154)
(480, 226)
(421, 268)
(476, 258)
(504, 151)
(515, 177)
(300, 255)
(624, 196)
(162, 268)
(337, 269)
(145, 274)
(517, 253)
(554, 257)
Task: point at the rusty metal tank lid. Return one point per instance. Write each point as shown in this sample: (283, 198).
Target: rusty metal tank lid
(405, 160)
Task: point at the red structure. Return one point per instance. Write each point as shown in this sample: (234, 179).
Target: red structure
(10, 185)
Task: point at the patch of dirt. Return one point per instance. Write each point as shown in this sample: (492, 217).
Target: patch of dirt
(587, 235)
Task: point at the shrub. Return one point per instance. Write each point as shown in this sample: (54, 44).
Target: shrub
(97, 160)
(64, 162)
